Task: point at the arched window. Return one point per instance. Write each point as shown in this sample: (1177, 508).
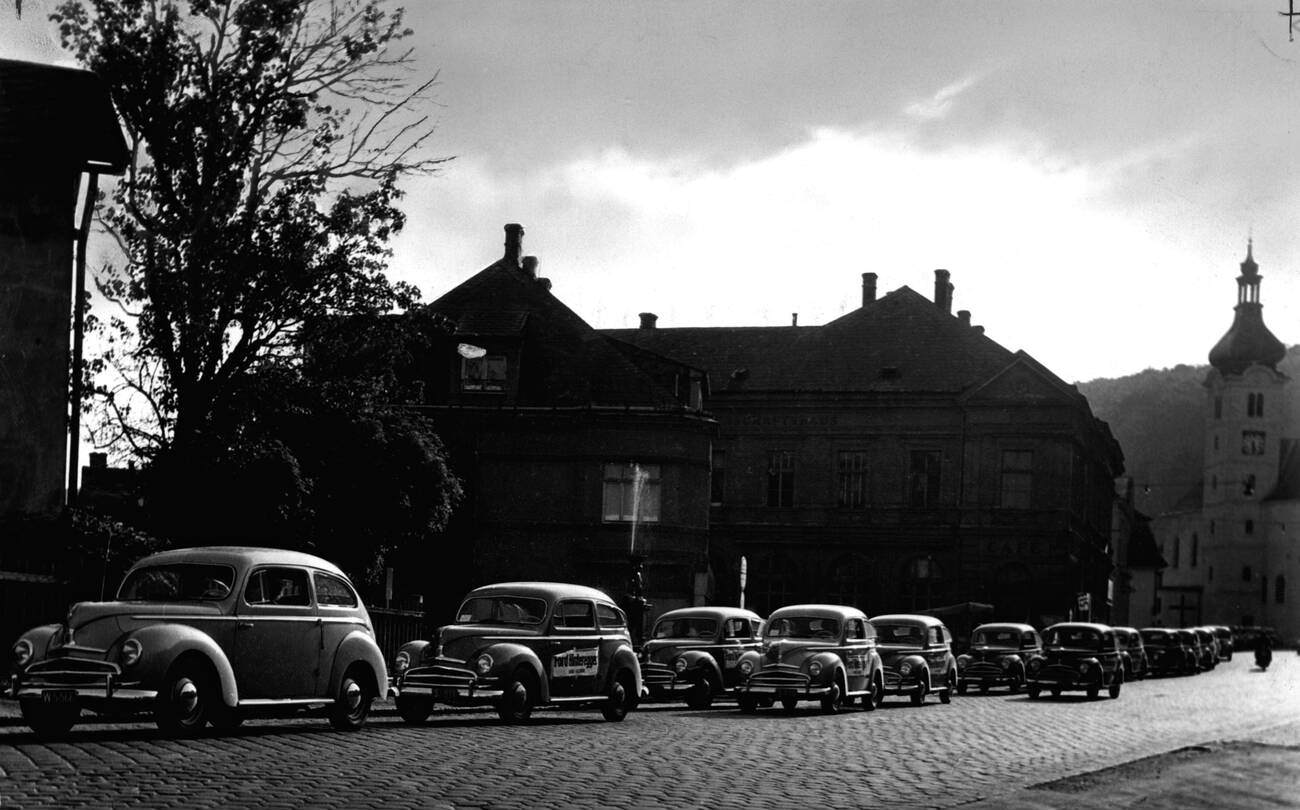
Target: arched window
(771, 583)
(922, 583)
(1259, 404)
(849, 581)
(1279, 590)
(1245, 573)
(1218, 407)
(1196, 548)
(1178, 552)
(1250, 527)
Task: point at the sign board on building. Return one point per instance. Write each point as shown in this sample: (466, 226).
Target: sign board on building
(1085, 602)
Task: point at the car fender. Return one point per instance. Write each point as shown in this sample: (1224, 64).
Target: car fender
(831, 663)
(625, 658)
(755, 659)
(703, 663)
(359, 646)
(41, 639)
(916, 662)
(415, 651)
(163, 643)
(508, 657)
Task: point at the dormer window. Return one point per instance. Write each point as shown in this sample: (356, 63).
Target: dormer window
(486, 373)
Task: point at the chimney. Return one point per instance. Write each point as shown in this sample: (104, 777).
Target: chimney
(963, 315)
(942, 291)
(514, 243)
(648, 320)
(794, 318)
(868, 288)
(529, 267)
(99, 461)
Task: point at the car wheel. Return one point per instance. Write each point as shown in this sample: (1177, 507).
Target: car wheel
(789, 704)
(414, 709)
(918, 697)
(833, 700)
(1056, 691)
(748, 704)
(49, 721)
(351, 705)
(1017, 681)
(871, 701)
(962, 687)
(622, 697)
(1033, 692)
(700, 695)
(517, 700)
(181, 707)
(984, 689)
(1093, 691)
(1114, 687)
(946, 695)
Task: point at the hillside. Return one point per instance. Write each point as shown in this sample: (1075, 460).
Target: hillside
(1158, 417)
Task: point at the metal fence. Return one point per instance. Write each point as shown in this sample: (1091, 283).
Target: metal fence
(393, 628)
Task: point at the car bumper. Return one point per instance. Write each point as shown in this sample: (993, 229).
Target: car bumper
(102, 690)
(1066, 681)
(450, 685)
(896, 684)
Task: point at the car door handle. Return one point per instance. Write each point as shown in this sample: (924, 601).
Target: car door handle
(244, 625)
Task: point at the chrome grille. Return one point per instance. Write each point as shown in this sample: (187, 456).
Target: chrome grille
(56, 673)
(983, 669)
(439, 676)
(781, 677)
(653, 674)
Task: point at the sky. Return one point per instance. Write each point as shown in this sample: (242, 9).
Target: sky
(1088, 172)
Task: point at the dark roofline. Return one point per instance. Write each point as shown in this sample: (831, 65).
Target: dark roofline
(50, 111)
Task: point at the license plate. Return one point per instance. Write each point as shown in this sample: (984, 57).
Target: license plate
(444, 693)
(59, 695)
(787, 693)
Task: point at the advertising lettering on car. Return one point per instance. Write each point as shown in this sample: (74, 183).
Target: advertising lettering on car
(856, 662)
(575, 663)
(732, 657)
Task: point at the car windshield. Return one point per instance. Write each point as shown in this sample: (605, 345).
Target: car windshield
(521, 610)
(686, 627)
(1081, 638)
(179, 582)
(1156, 638)
(909, 635)
(996, 637)
(803, 627)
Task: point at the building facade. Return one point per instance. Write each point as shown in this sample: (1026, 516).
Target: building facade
(1230, 543)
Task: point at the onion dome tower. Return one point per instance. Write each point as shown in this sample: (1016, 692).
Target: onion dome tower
(1248, 341)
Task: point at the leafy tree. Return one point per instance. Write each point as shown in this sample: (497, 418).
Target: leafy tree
(267, 138)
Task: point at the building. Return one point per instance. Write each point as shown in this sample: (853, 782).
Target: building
(582, 457)
(1230, 541)
(898, 459)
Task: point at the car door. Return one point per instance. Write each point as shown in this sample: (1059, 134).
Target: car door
(936, 655)
(575, 663)
(338, 609)
(277, 635)
(857, 655)
(737, 638)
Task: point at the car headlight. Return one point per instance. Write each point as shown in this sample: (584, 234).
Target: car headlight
(746, 668)
(1083, 668)
(815, 668)
(22, 652)
(963, 659)
(132, 649)
(402, 662)
(904, 668)
(679, 666)
(1035, 665)
(1006, 663)
(483, 664)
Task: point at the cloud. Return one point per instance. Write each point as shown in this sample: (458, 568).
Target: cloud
(941, 103)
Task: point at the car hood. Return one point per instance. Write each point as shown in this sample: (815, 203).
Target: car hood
(666, 649)
(1058, 654)
(891, 654)
(96, 625)
(793, 652)
(463, 640)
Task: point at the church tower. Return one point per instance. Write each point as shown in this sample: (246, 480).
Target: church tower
(1247, 413)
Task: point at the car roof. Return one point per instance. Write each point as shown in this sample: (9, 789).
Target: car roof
(711, 612)
(907, 618)
(1005, 626)
(1100, 628)
(542, 590)
(240, 556)
(1123, 629)
(834, 611)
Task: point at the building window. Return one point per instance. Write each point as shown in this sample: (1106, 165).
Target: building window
(1248, 485)
(849, 582)
(717, 477)
(1196, 548)
(1254, 404)
(771, 583)
(1216, 441)
(1211, 528)
(1209, 574)
(1178, 552)
(1250, 527)
(486, 373)
(1252, 443)
(1279, 590)
(631, 493)
(1017, 478)
(1218, 407)
(1263, 590)
(1245, 573)
(852, 472)
(923, 482)
(922, 583)
(780, 478)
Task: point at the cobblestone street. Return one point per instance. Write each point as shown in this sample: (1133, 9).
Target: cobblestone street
(980, 746)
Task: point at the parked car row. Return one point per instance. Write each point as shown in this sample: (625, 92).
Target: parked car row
(211, 635)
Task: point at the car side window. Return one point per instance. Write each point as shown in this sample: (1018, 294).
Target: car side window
(611, 618)
(278, 586)
(856, 631)
(332, 591)
(755, 628)
(932, 636)
(735, 628)
(574, 614)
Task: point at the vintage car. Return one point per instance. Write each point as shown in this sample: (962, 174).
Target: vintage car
(1192, 641)
(1224, 634)
(1209, 647)
(1167, 653)
(206, 635)
(998, 655)
(825, 653)
(917, 653)
(1077, 656)
(1133, 653)
(694, 653)
(520, 645)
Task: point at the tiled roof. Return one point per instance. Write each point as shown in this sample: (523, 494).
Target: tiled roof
(901, 342)
(491, 322)
(58, 115)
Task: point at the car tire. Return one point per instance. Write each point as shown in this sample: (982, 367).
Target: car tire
(1056, 691)
(984, 689)
(351, 705)
(414, 709)
(518, 698)
(1017, 681)
(748, 704)
(789, 704)
(1033, 692)
(49, 721)
(1093, 692)
(918, 697)
(182, 706)
(622, 697)
(700, 695)
(833, 701)
(1115, 686)
(962, 688)
(875, 696)
(945, 696)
